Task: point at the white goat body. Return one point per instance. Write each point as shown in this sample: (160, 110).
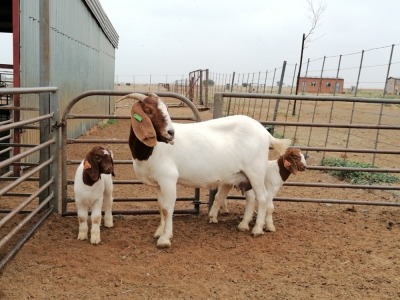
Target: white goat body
(206, 153)
(278, 171)
(93, 189)
(203, 155)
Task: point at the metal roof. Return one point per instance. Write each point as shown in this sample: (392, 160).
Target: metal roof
(105, 23)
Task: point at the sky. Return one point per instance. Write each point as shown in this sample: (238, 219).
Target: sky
(174, 37)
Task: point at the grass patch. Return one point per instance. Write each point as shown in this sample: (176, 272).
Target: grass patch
(357, 177)
(108, 123)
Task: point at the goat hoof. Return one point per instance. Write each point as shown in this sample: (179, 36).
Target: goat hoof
(108, 223)
(213, 220)
(243, 227)
(257, 234)
(163, 243)
(257, 231)
(82, 236)
(270, 228)
(95, 240)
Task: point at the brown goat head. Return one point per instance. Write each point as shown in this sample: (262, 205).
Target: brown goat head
(151, 122)
(97, 161)
(294, 161)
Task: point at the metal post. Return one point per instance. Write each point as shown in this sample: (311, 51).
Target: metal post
(337, 74)
(201, 102)
(320, 77)
(206, 88)
(218, 105)
(279, 92)
(273, 80)
(265, 81)
(16, 133)
(55, 149)
(299, 73)
(308, 64)
(359, 73)
(282, 77)
(44, 98)
(230, 99)
(388, 71)
(294, 76)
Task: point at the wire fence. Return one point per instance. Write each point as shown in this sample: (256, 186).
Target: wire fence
(373, 72)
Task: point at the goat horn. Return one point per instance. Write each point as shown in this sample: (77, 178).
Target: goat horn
(136, 96)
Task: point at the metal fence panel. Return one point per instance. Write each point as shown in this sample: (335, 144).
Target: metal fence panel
(28, 199)
(361, 130)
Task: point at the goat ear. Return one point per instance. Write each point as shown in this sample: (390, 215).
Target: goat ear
(91, 166)
(142, 126)
(290, 167)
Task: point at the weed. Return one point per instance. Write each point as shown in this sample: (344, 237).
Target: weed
(109, 122)
(357, 177)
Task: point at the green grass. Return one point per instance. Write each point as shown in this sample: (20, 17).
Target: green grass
(358, 177)
(108, 123)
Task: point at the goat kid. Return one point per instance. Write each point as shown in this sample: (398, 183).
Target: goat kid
(278, 171)
(92, 186)
(203, 154)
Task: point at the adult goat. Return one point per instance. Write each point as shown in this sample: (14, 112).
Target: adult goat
(198, 155)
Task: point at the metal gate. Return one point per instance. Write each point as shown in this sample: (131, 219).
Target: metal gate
(350, 129)
(27, 198)
(67, 197)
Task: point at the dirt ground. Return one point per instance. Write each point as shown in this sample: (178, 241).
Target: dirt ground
(319, 251)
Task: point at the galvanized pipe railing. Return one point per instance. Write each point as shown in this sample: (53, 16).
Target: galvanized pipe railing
(47, 192)
(225, 98)
(64, 125)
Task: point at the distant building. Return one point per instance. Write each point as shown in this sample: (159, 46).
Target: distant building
(392, 86)
(324, 85)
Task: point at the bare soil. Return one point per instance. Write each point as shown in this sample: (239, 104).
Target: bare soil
(318, 251)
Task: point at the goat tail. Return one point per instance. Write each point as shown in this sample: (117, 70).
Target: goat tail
(280, 145)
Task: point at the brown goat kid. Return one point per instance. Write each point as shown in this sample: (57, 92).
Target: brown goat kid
(92, 186)
(278, 171)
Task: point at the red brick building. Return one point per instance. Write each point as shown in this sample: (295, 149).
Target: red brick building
(324, 85)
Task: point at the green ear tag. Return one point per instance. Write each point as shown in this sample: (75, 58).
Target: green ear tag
(137, 117)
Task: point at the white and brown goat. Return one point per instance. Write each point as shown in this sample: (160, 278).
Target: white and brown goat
(198, 155)
(93, 189)
(278, 171)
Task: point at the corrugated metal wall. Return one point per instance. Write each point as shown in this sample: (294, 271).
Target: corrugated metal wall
(81, 57)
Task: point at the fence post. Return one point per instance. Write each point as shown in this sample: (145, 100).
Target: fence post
(201, 102)
(359, 73)
(299, 73)
(44, 98)
(206, 89)
(230, 99)
(294, 76)
(320, 77)
(55, 149)
(218, 105)
(279, 92)
(273, 80)
(265, 81)
(337, 75)
(388, 71)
